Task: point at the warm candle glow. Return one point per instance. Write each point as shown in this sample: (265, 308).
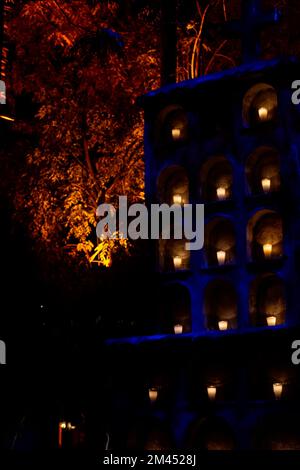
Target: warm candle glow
(221, 193)
(177, 199)
(277, 389)
(221, 255)
(223, 325)
(266, 184)
(268, 248)
(271, 320)
(176, 133)
(62, 426)
(178, 329)
(153, 393)
(211, 392)
(177, 260)
(6, 118)
(263, 114)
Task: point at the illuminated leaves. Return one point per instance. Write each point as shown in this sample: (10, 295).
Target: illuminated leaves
(90, 132)
(105, 250)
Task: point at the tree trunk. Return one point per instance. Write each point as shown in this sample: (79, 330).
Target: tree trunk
(168, 41)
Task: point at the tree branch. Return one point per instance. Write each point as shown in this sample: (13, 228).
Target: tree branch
(86, 152)
(215, 54)
(197, 42)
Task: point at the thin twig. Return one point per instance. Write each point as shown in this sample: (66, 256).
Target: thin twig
(226, 57)
(214, 56)
(225, 10)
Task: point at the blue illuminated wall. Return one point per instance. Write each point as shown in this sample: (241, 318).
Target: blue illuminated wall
(214, 127)
(218, 118)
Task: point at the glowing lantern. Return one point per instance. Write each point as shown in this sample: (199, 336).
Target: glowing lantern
(277, 389)
(221, 256)
(268, 249)
(211, 392)
(271, 320)
(153, 394)
(223, 325)
(177, 260)
(221, 193)
(266, 184)
(178, 329)
(263, 114)
(177, 199)
(176, 133)
(64, 426)
(61, 426)
(6, 118)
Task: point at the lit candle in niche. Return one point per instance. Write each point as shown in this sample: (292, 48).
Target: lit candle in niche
(61, 426)
(271, 320)
(211, 392)
(223, 325)
(177, 199)
(64, 426)
(178, 329)
(268, 249)
(176, 133)
(177, 260)
(277, 389)
(263, 113)
(153, 394)
(266, 184)
(221, 193)
(221, 256)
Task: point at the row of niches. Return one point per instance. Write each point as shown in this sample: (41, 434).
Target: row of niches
(215, 181)
(223, 385)
(274, 431)
(259, 107)
(265, 305)
(264, 237)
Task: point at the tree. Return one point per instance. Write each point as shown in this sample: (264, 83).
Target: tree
(204, 48)
(84, 63)
(85, 78)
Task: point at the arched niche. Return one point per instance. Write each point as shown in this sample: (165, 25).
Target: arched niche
(216, 179)
(220, 305)
(213, 433)
(260, 105)
(263, 171)
(220, 242)
(173, 257)
(173, 186)
(175, 309)
(172, 126)
(279, 431)
(158, 436)
(267, 301)
(148, 434)
(265, 236)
